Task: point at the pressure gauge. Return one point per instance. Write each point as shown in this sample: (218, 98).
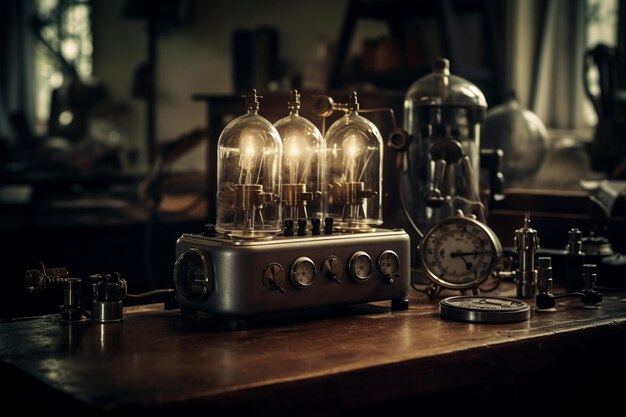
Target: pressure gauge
(388, 262)
(360, 266)
(303, 272)
(460, 252)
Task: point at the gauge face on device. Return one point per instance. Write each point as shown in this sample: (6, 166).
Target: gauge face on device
(193, 274)
(388, 262)
(303, 272)
(360, 266)
(459, 252)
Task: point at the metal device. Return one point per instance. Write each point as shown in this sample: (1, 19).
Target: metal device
(444, 114)
(526, 243)
(107, 305)
(590, 297)
(37, 281)
(245, 266)
(460, 252)
(574, 261)
(484, 309)
(71, 309)
(241, 278)
(545, 300)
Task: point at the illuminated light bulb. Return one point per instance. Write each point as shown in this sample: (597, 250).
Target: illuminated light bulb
(302, 175)
(249, 155)
(354, 171)
(352, 150)
(249, 176)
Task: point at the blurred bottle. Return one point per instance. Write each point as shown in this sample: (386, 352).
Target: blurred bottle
(522, 137)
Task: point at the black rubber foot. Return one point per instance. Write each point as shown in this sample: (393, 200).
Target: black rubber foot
(399, 305)
(236, 324)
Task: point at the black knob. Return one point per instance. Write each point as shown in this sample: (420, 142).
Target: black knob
(389, 279)
(209, 230)
(301, 227)
(316, 226)
(328, 225)
(288, 230)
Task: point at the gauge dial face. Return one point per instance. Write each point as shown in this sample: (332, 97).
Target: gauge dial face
(389, 263)
(303, 272)
(459, 253)
(360, 266)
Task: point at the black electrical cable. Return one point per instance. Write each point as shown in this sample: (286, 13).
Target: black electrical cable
(609, 289)
(152, 293)
(569, 294)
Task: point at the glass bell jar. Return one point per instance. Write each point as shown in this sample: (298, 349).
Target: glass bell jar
(354, 158)
(249, 153)
(302, 165)
(521, 135)
(444, 114)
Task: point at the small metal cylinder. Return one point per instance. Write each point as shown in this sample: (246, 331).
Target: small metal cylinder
(574, 261)
(574, 245)
(107, 311)
(589, 276)
(544, 274)
(526, 243)
(71, 292)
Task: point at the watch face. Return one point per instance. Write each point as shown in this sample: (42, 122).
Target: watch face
(459, 253)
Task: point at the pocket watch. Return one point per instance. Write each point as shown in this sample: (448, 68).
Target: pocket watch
(459, 252)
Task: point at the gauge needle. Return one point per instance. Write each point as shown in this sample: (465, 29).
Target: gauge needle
(459, 254)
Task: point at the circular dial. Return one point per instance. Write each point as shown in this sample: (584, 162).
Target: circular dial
(332, 269)
(303, 272)
(459, 252)
(274, 276)
(389, 263)
(193, 274)
(360, 266)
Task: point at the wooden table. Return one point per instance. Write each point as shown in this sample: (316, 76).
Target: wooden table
(359, 359)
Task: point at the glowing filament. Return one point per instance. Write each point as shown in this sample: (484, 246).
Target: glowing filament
(352, 150)
(297, 159)
(249, 158)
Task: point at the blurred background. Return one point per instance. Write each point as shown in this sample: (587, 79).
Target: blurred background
(109, 108)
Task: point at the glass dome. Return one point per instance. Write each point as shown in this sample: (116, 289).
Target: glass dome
(521, 135)
(354, 158)
(447, 111)
(248, 175)
(302, 165)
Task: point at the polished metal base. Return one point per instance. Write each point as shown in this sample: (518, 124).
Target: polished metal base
(242, 278)
(482, 309)
(107, 311)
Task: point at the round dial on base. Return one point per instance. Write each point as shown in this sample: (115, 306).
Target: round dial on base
(274, 276)
(389, 263)
(360, 266)
(459, 253)
(332, 268)
(193, 274)
(303, 272)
